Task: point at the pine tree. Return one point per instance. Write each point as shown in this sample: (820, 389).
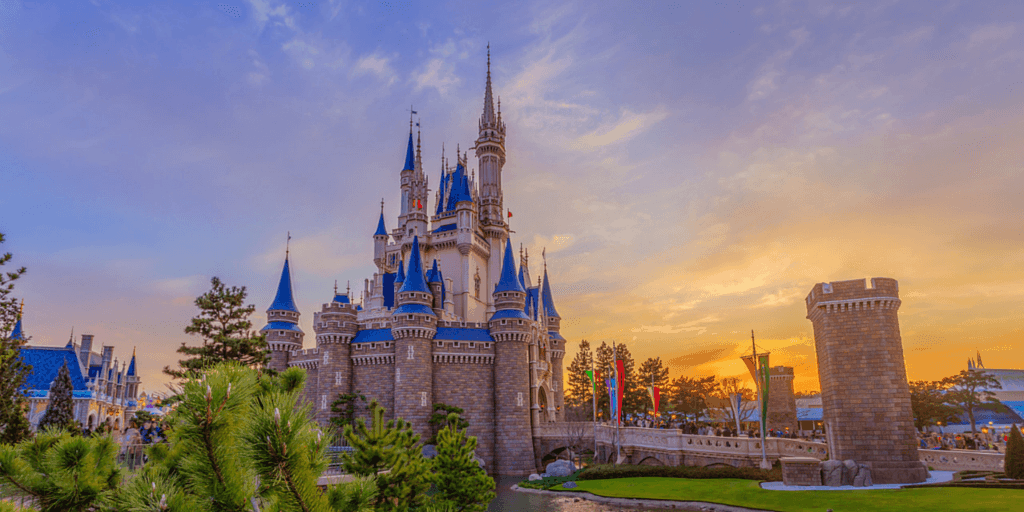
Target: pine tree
(391, 447)
(442, 418)
(653, 373)
(689, 395)
(343, 410)
(1014, 462)
(459, 480)
(60, 410)
(223, 324)
(14, 425)
(603, 364)
(972, 390)
(580, 389)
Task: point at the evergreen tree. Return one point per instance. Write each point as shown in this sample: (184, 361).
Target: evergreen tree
(442, 418)
(459, 480)
(391, 447)
(603, 364)
(14, 425)
(343, 410)
(60, 411)
(688, 395)
(653, 373)
(634, 395)
(223, 324)
(580, 389)
(972, 390)
(1014, 461)
(928, 403)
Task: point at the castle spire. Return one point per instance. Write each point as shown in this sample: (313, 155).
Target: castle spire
(419, 160)
(488, 116)
(414, 281)
(509, 281)
(549, 303)
(131, 366)
(381, 230)
(284, 301)
(410, 156)
(18, 333)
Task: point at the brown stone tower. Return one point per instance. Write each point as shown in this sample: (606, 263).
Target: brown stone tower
(510, 329)
(413, 326)
(781, 400)
(335, 326)
(282, 330)
(864, 392)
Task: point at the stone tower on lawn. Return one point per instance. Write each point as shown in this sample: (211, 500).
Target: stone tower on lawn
(864, 392)
(781, 400)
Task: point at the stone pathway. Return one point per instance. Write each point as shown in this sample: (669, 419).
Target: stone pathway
(936, 477)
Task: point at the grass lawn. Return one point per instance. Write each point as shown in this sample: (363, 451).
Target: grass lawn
(747, 493)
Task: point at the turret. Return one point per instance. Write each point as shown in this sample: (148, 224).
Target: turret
(282, 329)
(556, 347)
(17, 334)
(335, 326)
(380, 242)
(490, 151)
(413, 326)
(436, 284)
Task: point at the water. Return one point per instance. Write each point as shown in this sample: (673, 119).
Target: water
(513, 501)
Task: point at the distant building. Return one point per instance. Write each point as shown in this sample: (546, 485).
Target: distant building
(103, 390)
(1011, 395)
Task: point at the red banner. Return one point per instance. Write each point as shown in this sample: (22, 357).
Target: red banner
(622, 387)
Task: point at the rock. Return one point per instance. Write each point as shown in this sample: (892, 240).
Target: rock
(544, 475)
(533, 477)
(832, 473)
(479, 461)
(429, 451)
(569, 485)
(863, 478)
(560, 468)
(849, 471)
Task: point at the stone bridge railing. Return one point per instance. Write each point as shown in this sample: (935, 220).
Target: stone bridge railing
(962, 460)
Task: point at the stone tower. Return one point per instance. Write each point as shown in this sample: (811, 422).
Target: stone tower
(283, 332)
(335, 326)
(781, 400)
(556, 406)
(510, 329)
(413, 326)
(864, 392)
(490, 151)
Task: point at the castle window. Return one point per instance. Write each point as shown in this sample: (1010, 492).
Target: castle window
(520, 322)
(472, 345)
(503, 321)
(456, 344)
(387, 344)
(373, 345)
(280, 333)
(440, 344)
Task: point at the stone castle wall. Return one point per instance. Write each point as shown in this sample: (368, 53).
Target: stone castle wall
(470, 386)
(865, 395)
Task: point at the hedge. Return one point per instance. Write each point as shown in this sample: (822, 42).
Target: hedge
(606, 471)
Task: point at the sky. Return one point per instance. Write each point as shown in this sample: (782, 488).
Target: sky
(692, 168)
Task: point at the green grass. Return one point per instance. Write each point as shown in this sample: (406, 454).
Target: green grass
(747, 493)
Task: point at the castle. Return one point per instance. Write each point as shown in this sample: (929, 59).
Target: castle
(103, 390)
(447, 318)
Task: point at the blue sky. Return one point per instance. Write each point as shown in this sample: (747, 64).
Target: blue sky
(692, 168)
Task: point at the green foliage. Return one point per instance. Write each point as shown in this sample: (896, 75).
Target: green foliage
(60, 410)
(688, 395)
(441, 419)
(14, 425)
(653, 373)
(972, 390)
(391, 452)
(142, 417)
(356, 496)
(223, 324)
(579, 389)
(551, 481)
(60, 472)
(459, 480)
(343, 410)
(1014, 462)
(928, 403)
(606, 471)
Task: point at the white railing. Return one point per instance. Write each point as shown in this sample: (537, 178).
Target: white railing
(960, 460)
(673, 440)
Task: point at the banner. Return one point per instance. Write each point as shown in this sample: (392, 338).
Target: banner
(749, 360)
(590, 373)
(764, 375)
(621, 386)
(655, 393)
(610, 383)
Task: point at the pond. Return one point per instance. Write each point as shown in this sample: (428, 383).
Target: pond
(513, 501)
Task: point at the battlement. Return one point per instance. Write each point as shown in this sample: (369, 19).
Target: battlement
(309, 352)
(842, 291)
(781, 372)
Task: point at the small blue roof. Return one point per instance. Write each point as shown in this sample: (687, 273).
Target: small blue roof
(283, 301)
(46, 362)
(410, 161)
(17, 333)
(509, 282)
(462, 334)
(341, 298)
(460, 188)
(131, 366)
(389, 291)
(809, 414)
(373, 335)
(414, 281)
(434, 275)
(446, 227)
(509, 313)
(94, 371)
(413, 309)
(555, 336)
(443, 189)
(281, 326)
(381, 230)
(549, 303)
(532, 296)
(400, 278)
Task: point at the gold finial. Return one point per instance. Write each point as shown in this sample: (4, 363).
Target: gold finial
(22, 308)
(382, 206)
(288, 245)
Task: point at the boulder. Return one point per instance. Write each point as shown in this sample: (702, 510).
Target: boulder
(479, 461)
(863, 478)
(832, 473)
(569, 485)
(429, 451)
(533, 477)
(560, 468)
(849, 471)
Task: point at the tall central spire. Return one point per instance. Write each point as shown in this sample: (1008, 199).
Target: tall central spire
(488, 116)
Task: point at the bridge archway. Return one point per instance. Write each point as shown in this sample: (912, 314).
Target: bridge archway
(542, 401)
(651, 461)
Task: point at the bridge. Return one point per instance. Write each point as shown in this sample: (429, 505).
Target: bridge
(669, 447)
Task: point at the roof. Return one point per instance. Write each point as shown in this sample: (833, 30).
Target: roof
(983, 416)
(532, 296)
(414, 281)
(508, 281)
(46, 362)
(410, 161)
(462, 334)
(1016, 406)
(131, 366)
(413, 309)
(459, 188)
(283, 301)
(389, 290)
(400, 278)
(434, 275)
(809, 414)
(1011, 380)
(441, 194)
(341, 298)
(446, 227)
(17, 333)
(509, 313)
(549, 303)
(373, 335)
(94, 371)
(281, 326)
(381, 230)
(555, 335)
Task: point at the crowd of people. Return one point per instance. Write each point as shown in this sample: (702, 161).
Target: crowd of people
(965, 441)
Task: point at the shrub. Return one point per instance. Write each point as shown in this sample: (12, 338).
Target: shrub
(1014, 462)
(551, 481)
(606, 471)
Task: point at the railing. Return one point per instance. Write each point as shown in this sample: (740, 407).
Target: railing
(960, 460)
(673, 440)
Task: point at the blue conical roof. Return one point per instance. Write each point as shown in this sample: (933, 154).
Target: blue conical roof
(381, 230)
(131, 366)
(401, 272)
(410, 160)
(434, 275)
(283, 301)
(17, 333)
(549, 303)
(442, 197)
(414, 281)
(508, 281)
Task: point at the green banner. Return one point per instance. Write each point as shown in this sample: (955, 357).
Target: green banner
(764, 371)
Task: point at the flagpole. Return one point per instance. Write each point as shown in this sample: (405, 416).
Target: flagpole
(618, 405)
(760, 396)
(593, 387)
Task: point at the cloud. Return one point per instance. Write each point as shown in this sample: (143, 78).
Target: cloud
(990, 35)
(697, 326)
(436, 74)
(376, 65)
(628, 125)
